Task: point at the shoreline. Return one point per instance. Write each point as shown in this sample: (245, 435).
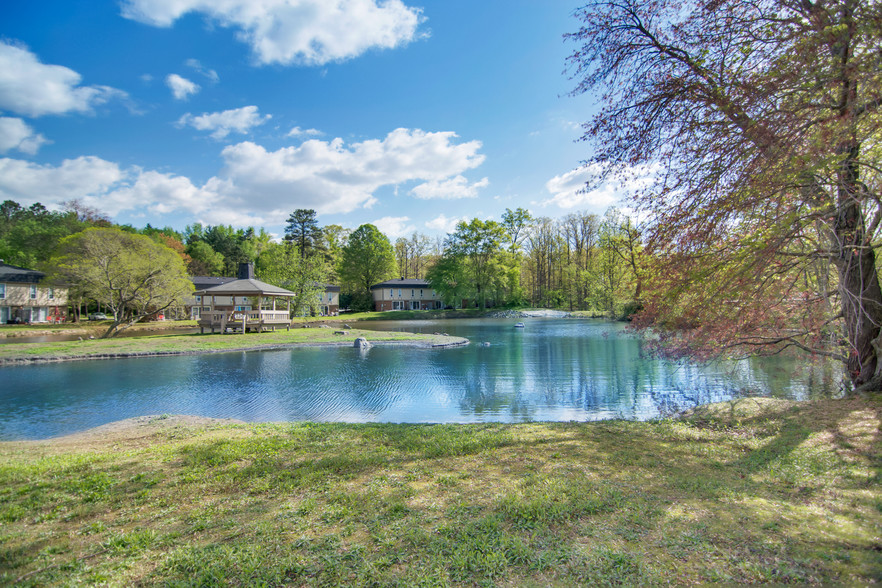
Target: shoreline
(70, 329)
(143, 426)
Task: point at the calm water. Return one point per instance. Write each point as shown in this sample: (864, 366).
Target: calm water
(555, 370)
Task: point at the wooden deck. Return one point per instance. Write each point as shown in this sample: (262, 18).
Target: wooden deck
(243, 320)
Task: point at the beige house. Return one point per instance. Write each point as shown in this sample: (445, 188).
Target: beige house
(405, 294)
(329, 300)
(23, 299)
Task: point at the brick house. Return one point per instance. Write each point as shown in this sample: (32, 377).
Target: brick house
(329, 300)
(24, 300)
(405, 294)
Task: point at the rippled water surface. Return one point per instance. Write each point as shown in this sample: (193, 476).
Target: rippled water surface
(553, 370)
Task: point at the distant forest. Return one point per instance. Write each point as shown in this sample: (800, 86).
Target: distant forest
(579, 262)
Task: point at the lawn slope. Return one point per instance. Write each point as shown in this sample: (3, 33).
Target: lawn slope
(753, 491)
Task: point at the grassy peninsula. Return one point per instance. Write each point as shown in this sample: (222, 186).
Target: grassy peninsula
(166, 344)
(751, 491)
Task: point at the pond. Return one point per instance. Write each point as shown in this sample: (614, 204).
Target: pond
(551, 370)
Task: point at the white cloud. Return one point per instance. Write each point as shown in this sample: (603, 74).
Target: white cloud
(310, 32)
(209, 74)
(394, 226)
(445, 224)
(298, 132)
(16, 134)
(239, 120)
(450, 189)
(332, 177)
(569, 190)
(327, 176)
(104, 185)
(31, 88)
(83, 177)
(181, 88)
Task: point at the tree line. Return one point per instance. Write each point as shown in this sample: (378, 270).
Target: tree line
(580, 262)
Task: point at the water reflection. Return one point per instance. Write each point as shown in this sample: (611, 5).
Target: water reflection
(552, 370)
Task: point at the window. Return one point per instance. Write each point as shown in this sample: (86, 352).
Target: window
(421, 293)
(33, 291)
(413, 293)
(2, 291)
(199, 299)
(399, 292)
(391, 292)
(51, 293)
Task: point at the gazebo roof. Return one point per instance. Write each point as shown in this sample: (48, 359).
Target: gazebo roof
(249, 287)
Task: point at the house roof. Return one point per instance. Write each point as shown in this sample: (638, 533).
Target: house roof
(203, 282)
(250, 287)
(401, 283)
(13, 273)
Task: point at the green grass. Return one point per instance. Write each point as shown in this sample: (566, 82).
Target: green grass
(87, 328)
(743, 492)
(407, 315)
(198, 343)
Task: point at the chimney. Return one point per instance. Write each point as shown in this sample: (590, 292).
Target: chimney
(246, 271)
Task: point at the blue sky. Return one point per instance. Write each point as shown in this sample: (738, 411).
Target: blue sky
(410, 115)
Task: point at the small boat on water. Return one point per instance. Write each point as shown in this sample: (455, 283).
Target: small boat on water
(519, 325)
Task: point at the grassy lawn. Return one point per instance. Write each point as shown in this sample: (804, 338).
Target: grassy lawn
(87, 328)
(754, 491)
(408, 315)
(197, 343)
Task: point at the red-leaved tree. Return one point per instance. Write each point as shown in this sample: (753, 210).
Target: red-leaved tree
(764, 120)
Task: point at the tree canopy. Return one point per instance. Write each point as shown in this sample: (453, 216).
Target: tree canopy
(282, 265)
(476, 245)
(761, 121)
(29, 236)
(130, 274)
(367, 259)
(303, 231)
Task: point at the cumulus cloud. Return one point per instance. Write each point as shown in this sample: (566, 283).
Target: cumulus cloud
(221, 124)
(569, 191)
(298, 132)
(328, 176)
(394, 226)
(104, 185)
(207, 73)
(181, 88)
(308, 32)
(445, 224)
(17, 134)
(31, 88)
(83, 177)
(449, 189)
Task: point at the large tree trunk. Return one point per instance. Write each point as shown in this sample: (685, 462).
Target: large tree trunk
(862, 309)
(858, 280)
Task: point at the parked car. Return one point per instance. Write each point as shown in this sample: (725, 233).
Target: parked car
(98, 316)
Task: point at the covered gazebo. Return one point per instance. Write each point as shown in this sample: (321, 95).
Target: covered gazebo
(220, 310)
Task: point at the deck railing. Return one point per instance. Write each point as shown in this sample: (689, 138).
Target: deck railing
(244, 319)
